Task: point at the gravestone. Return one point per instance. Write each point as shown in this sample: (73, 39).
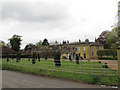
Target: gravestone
(57, 59)
(77, 59)
(39, 57)
(70, 58)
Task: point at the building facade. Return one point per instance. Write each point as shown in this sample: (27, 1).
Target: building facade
(85, 50)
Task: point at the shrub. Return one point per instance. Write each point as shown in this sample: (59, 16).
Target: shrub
(99, 61)
(107, 52)
(107, 58)
(81, 57)
(105, 65)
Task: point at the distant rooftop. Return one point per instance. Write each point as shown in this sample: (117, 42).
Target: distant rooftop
(87, 43)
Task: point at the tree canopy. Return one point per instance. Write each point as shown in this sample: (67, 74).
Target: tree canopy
(112, 38)
(38, 44)
(28, 46)
(102, 38)
(45, 42)
(15, 42)
(2, 43)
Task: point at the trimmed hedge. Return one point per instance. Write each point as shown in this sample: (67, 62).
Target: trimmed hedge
(107, 58)
(107, 52)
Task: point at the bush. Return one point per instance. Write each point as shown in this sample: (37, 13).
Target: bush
(107, 58)
(81, 57)
(107, 52)
(99, 61)
(105, 65)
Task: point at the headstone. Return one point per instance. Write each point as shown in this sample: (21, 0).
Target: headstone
(77, 59)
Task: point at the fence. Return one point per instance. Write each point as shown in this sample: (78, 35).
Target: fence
(84, 66)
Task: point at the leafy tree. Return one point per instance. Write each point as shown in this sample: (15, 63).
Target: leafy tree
(8, 45)
(28, 46)
(45, 42)
(38, 44)
(79, 40)
(2, 43)
(100, 53)
(102, 38)
(15, 42)
(107, 52)
(112, 38)
(87, 40)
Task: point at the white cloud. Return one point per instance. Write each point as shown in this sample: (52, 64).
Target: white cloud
(56, 19)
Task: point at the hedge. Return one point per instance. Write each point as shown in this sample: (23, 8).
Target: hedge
(107, 52)
(107, 58)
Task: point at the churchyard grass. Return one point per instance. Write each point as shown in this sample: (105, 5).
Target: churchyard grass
(86, 71)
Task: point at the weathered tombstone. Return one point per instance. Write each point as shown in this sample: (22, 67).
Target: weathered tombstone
(57, 59)
(45, 57)
(77, 59)
(39, 57)
(18, 57)
(70, 58)
(28, 57)
(33, 59)
(12, 56)
(7, 57)
(105, 65)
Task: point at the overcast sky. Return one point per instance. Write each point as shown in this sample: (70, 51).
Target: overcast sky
(57, 20)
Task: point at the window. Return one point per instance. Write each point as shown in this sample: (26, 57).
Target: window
(92, 48)
(92, 54)
(84, 48)
(68, 56)
(98, 47)
(73, 48)
(78, 48)
(84, 55)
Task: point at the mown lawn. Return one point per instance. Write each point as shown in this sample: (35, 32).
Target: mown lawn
(87, 72)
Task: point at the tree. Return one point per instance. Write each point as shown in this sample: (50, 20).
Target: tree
(45, 42)
(2, 43)
(28, 46)
(38, 44)
(87, 40)
(112, 38)
(102, 38)
(15, 42)
(8, 44)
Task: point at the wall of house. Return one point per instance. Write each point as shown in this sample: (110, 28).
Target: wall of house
(83, 50)
(93, 51)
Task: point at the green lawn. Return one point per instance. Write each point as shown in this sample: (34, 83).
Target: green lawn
(87, 72)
